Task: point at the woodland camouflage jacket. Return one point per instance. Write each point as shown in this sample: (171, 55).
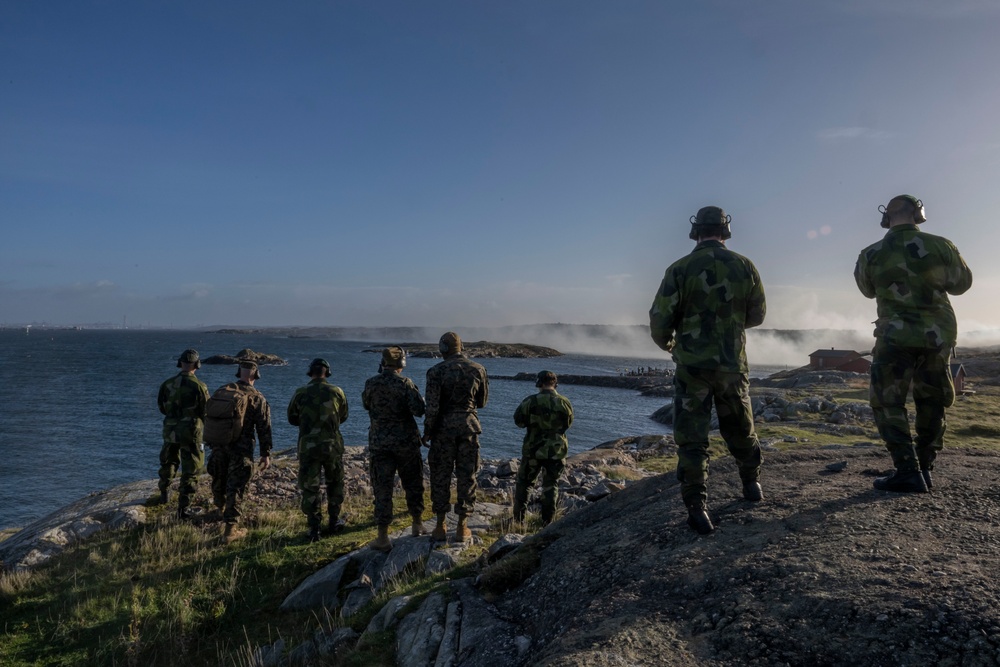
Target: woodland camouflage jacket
(910, 274)
(547, 415)
(704, 305)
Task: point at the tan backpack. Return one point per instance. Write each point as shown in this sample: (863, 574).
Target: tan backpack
(225, 414)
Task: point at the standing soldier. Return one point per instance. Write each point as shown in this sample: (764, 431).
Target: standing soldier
(704, 305)
(318, 409)
(393, 402)
(182, 400)
(547, 416)
(456, 388)
(910, 274)
(231, 463)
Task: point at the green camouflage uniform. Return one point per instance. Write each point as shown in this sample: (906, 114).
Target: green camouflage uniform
(456, 388)
(392, 402)
(547, 415)
(182, 400)
(704, 305)
(231, 467)
(910, 274)
(318, 409)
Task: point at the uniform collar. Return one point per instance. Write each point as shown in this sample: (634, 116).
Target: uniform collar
(711, 243)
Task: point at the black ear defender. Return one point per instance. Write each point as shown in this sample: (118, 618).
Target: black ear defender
(710, 216)
(919, 214)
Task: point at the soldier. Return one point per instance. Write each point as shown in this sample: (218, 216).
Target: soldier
(456, 388)
(910, 274)
(318, 409)
(392, 402)
(182, 400)
(231, 465)
(547, 416)
(704, 305)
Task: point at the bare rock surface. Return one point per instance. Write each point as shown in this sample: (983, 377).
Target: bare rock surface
(825, 571)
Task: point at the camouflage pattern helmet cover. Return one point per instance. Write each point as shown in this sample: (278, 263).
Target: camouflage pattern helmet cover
(709, 220)
(394, 357)
(450, 343)
(316, 364)
(189, 356)
(545, 378)
(249, 365)
(903, 203)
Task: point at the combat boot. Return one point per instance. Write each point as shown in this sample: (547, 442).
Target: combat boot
(699, 520)
(910, 481)
(752, 491)
(313, 534)
(417, 529)
(382, 542)
(183, 513)
(337, 525)
(232, 533)
(440, 532)
(462, 532)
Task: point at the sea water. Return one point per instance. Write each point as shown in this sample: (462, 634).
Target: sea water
(78, 407)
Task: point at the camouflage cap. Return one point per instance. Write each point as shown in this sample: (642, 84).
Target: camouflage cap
(450, 343)
(249, 365)
(317, 364)
(394, 357)
(189, 356)
(707, 217)
(546, 377)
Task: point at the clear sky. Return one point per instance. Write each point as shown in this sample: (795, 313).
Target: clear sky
(479, 163)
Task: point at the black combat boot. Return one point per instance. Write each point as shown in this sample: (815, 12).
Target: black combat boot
(752, 491)
(911, 481)
(699, 520)
(313, 534)
(337, 525)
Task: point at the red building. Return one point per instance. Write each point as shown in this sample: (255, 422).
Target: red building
(840, 360)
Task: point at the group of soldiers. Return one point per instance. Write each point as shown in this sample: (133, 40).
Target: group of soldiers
(700, 314)
(709, 298)
(455, 389)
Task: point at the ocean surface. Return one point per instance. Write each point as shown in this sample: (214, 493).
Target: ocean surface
(78, 407)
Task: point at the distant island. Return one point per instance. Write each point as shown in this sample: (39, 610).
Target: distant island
(480, 349)
(246, 354)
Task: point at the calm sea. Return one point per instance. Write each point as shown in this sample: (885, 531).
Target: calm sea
(78, 408)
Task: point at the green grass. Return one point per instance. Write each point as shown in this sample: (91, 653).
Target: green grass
(172, 593)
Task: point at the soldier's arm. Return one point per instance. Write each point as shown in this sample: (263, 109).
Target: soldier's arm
(415, 400)
(342, 411)
(294, 413)
(756, 303)
(483, 394)
(202, 400)
(263, 426)
(959, 274)
(365, 399)
(862, 278)
(161, 399)
(521, 413)
(433, 407)
(569, 414)
(664, 311)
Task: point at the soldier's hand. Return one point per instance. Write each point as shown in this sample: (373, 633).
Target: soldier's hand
(265, 463)
(426, 440)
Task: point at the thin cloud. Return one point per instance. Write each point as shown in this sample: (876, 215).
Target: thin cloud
(618, 279)
(852, 134)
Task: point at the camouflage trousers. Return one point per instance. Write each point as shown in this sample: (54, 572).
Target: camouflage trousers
(527, 473)
(695, 390)
(190, 458)
(315, 464)
(456, 453)
(231, 472)
(383, 464)
(894, 370)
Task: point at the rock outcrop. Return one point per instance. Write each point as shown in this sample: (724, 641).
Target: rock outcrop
(480, 349)
(246, 354)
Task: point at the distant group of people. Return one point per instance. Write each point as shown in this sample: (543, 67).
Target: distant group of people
(709, 298)
(645, 371)
(456, 388)
(701, 311)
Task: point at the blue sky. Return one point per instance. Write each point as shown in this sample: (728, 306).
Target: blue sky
(479, 163)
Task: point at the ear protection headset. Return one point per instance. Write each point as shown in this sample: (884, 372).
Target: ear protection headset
(919, 215)
(710, 216)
